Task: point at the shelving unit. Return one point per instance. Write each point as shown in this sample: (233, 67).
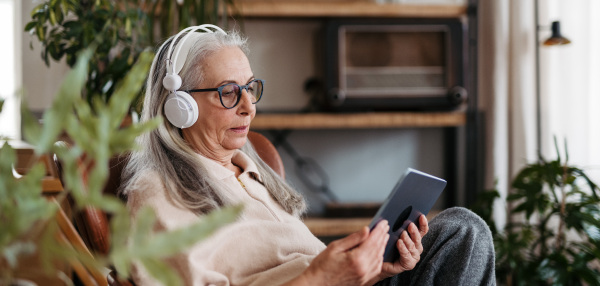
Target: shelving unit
(341, 8)
(358, 120)
(332, 228)
(467, 117)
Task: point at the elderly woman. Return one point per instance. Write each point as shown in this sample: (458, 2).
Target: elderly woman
(199, 160)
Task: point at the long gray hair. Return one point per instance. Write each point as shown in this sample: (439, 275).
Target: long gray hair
(165, 152)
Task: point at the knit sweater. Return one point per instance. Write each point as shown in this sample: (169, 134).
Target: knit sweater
(265, 246)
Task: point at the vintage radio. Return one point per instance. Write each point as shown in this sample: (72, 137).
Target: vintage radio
(394, 64)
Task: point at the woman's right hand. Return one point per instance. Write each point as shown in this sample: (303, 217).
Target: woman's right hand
(353, 260)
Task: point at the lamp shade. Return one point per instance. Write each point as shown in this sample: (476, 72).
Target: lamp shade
(556, 38)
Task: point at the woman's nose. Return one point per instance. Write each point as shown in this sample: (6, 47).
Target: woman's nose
(246, 105)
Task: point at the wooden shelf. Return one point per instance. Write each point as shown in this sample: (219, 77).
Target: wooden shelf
(357, 120)
(345, 8)
(323, 227)
(335, 226)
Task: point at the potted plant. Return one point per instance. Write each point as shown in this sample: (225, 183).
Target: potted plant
(553, 234)
(26, 217)
(121, 30)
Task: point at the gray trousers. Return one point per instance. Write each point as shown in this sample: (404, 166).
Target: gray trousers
(458, 250)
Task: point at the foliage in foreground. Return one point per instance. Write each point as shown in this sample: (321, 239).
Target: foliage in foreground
(96, 135)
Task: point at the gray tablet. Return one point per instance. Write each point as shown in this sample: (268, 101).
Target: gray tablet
(414, 195)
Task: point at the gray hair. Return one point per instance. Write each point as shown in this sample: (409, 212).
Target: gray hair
(165, 152)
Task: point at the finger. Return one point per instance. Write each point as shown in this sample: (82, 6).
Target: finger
(382, 243)
(410, 245)
(415, 235)
(386, 238)
(408, 259)
(377, 255)
(423, 225)
(376, 237)
(351, 241)
(382, 226)
(369, 254)
(402, 247)
(381, 233)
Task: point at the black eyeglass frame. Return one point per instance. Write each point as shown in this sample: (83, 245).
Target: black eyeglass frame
(239, 95)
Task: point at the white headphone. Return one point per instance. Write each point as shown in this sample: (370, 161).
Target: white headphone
(180, 108)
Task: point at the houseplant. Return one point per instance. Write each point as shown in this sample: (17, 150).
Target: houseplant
(553, 234)
(25, 216)
(121, 30)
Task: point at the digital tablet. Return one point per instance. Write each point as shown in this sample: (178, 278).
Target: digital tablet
(414, 195)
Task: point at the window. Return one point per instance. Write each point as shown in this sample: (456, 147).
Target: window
(569, 85)
(10, 69)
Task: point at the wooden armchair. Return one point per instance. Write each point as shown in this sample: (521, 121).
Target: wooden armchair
(93, 224)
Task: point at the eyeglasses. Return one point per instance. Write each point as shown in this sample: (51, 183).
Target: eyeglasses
(231, 93)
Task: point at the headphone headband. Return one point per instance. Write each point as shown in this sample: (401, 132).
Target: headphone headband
(173, 55)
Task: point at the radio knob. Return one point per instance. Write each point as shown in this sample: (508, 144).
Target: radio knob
(457, 95)
(336, 97)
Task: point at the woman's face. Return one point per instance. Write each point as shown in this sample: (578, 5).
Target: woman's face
(219, 131)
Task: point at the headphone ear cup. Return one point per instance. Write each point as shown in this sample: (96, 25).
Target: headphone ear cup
(181, 109)
(172, 82)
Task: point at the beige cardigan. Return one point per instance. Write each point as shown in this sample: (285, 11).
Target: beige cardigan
(265, 246)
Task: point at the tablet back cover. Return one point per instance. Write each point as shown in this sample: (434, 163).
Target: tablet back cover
(414, 194)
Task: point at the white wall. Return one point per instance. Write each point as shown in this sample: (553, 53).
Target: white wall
(283, 53)
(40, 83)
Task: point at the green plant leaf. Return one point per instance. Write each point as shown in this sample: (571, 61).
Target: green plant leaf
(127, 89)
(21, 205)
(69, 91)
(527, 251)
(12, 252)
(52, 17)
(120, 226)
(146, 245)
(39, 9)
(30, 26)
(162, 242)
(591, 226)
(161, 271)
(593, 187)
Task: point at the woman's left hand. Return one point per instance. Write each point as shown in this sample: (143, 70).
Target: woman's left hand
(409, 247)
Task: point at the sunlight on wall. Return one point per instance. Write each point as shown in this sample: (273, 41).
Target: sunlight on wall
(9, 118)
(570, 85)
(594, 86)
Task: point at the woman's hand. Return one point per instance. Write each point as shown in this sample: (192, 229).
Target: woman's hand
(353, 260)
(410, 249)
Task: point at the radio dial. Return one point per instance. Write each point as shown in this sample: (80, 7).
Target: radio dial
(337, 97)
(457, 95)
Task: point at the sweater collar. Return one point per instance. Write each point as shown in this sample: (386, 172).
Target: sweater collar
(239, 159)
